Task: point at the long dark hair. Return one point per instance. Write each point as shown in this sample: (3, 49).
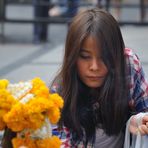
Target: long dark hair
(111, 112)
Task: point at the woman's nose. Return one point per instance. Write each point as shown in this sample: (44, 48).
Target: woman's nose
(94, 65)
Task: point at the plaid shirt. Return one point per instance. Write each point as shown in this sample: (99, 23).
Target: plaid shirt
(138, 95)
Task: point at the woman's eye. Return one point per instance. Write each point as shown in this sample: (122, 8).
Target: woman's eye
(85, 56)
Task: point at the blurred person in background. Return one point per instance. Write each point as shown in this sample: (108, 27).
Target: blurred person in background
(69, 8)
(143, 4)
(106, 4)
(40, 32)
(65, 8)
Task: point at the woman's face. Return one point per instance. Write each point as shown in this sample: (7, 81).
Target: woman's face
(91, 68)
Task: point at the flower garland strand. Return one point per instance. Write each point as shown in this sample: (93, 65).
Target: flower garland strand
(29, 109)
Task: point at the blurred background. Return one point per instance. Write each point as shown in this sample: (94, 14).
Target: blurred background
(32, 33)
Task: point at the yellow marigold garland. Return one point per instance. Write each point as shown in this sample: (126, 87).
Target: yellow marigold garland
(52, 142)
(6, 102)
(26, 110)
(3, 84)
(39, 88)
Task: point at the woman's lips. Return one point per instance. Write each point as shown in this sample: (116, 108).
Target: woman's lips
(95, 78)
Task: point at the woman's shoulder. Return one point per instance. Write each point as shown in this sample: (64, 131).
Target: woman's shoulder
(130, 53)
(132, 59)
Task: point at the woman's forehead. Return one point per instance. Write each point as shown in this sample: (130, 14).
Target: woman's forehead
(91, 41)
(91, 44)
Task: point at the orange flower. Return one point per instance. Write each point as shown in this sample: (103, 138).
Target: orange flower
(28, 108)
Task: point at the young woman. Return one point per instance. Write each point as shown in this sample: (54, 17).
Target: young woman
(102, 84)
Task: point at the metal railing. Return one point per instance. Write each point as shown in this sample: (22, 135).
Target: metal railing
(4, 3)
(57, 20)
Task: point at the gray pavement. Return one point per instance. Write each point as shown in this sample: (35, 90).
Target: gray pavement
(23, 60)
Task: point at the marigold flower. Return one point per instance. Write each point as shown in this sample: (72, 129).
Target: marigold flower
(28, 109)
(58, 101)
(3, 83)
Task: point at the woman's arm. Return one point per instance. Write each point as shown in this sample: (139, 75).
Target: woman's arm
(138, 95)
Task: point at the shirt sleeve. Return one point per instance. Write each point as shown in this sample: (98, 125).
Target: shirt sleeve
(138, 84)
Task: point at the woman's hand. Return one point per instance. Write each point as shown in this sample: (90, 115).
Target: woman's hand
(142, 127)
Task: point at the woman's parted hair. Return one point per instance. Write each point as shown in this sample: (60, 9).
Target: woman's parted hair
(113, 95)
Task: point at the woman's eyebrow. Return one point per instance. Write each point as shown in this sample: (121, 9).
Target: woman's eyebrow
(85, 50)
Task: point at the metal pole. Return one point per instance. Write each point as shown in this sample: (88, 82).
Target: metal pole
(142, 10)
(2, 17)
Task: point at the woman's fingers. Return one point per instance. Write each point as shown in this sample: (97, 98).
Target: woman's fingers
(144, 126)
(145, 119)
(143, 129)
(147, 124)
(133, 125)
